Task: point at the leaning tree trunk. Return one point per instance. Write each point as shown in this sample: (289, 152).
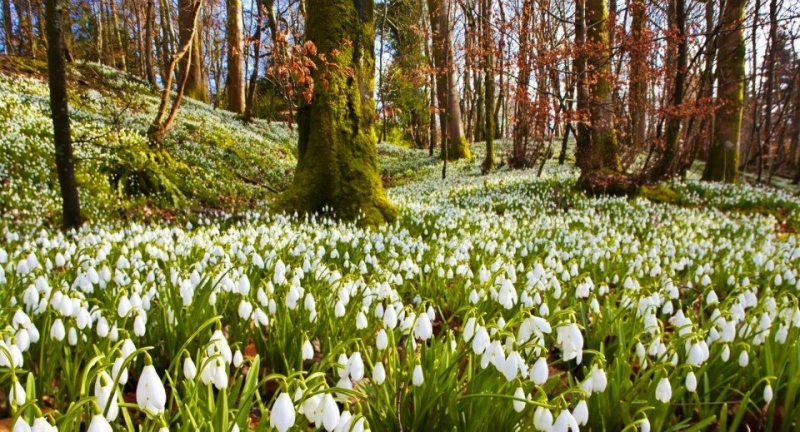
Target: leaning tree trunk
(337, 167)
(723, 158)
(519, 152)
(235, 84)
(57, 77)
(453, 139)
(794, 143)
(191, 65)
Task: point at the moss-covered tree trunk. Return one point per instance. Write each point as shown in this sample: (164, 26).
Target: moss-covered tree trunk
(454, 141)
(602, 151)
(191, 65)
(337, 168)
(601, 172)
(723, 156)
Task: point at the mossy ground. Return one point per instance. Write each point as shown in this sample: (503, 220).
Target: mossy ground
(211, 161)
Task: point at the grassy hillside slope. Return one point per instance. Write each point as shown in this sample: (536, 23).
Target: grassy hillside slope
(210, 161)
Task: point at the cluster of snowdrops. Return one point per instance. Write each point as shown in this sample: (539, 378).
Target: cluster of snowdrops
(506, 302)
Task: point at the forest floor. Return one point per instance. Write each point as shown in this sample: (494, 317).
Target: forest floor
(512, 287)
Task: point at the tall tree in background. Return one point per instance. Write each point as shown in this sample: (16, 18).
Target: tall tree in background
(637, 79)
(235, 82)
(191, 66)
(666, 165)
(57, 78)
(723, 157)
(337, 167)
(601, 154)
(454, 142)
(487, 39)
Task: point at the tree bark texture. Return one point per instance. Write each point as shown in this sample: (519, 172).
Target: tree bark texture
(235, 30)
(723, 158)
(453, 139)
(191, 65)
(602, 152)
(337, 168)
(57, 78)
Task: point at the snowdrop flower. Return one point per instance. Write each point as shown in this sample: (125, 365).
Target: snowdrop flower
(418, 377)
(581, 413)
(480, 341)
(21, 425)
(17, 393)
(189, 368)
(330, 412)
(99, 424)
(379, 373)
(57, 330)
(106, 394)
(423, 328)
(540, 371)
(282, 415)
(72, 336)
(150, 394)
(355, 366)
(41, 424)
(361, 321)
(570, 339)
(245, 309)
(519, 405)
(691, 382)
(469, 329)
(381, 340)
(238, 359)
(744, 359)
(726, 353)
(644, 425)
(139, 325)
(664, 390)
(543, 419)
(307, 350)
(768, 393)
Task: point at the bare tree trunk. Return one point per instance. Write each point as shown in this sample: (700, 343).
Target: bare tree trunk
(765, 149)
(666, 165)
(488, 70)
(167, 37)
(637, 81)
(164, 121)
(235, 30)
(253, 83)
(794, 143)
(57, 77)
(519, 152)
(582, 136)
(8, 27)
(150, 18)
(454, 143)
(118, 52)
